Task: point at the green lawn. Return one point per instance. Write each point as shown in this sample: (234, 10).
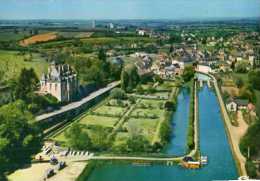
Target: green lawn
(155, 104)
(148, 112)
(62, 139)
(166, 85)
(145, 127)
(89, 120)
(11, 62)
(121, 138)
(111, 110)
(99, 120)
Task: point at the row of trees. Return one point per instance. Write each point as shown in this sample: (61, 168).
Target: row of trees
(250, 141)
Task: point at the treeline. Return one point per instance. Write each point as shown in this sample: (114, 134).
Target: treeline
(250, 142)
(96, 69)
(19, 138)
(190, 137)
(24, 87)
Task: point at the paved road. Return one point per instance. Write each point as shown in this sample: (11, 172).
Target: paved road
(77, 104)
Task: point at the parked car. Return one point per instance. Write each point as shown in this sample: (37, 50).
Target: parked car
(61, 165)
(53, 161)
(49, 173)
(47, 151)
(65, 153)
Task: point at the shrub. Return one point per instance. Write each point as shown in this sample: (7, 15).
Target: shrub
(165, 129)
(118, 93)
(139, 89)
(132, 99)
(77, 138)
(251, 169)
(190, 138)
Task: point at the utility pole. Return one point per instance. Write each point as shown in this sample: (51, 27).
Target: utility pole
(248, 152)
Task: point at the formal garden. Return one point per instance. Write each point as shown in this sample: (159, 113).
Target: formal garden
(124, 122)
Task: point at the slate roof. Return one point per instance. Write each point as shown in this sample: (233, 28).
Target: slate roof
(239, 102)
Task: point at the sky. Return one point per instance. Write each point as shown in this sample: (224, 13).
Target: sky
(128, 9)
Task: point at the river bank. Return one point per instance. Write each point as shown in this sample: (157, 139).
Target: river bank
(232, 131)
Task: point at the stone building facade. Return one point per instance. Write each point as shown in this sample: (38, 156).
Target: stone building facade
(60, 81)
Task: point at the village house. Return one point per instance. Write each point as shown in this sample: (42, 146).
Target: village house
(234, 105)
(60, 81)
(143, 32)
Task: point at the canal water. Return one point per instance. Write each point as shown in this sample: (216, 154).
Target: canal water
(213, 143)
(180, 121)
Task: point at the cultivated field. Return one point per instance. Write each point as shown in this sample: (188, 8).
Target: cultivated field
(39, 38)
(75, 34)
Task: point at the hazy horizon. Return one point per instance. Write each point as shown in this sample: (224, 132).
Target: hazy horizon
(128, 9)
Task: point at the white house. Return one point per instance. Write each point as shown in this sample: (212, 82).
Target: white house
(204, 68)
(231, 106)
(236, 104)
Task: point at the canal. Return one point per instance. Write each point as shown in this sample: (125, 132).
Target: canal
(213, 143)
(180, 121)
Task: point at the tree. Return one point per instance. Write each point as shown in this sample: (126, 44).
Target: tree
(241, 67)
(157, 78)
(169, 105)
(129, 78)
(151, 89)
(254, 79)
(239, 82)
(138, 144)
(118, 93)
(115, 71)
(139, 89)
(26, 84)
(251, 169)
(132, 99)
(165, 131)
(18, 135)
(88, 69)
(171, 49)
(102, 55)
(251, 140)
(77, 138)
(100, 141)
(247, 93)
(188, 73)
